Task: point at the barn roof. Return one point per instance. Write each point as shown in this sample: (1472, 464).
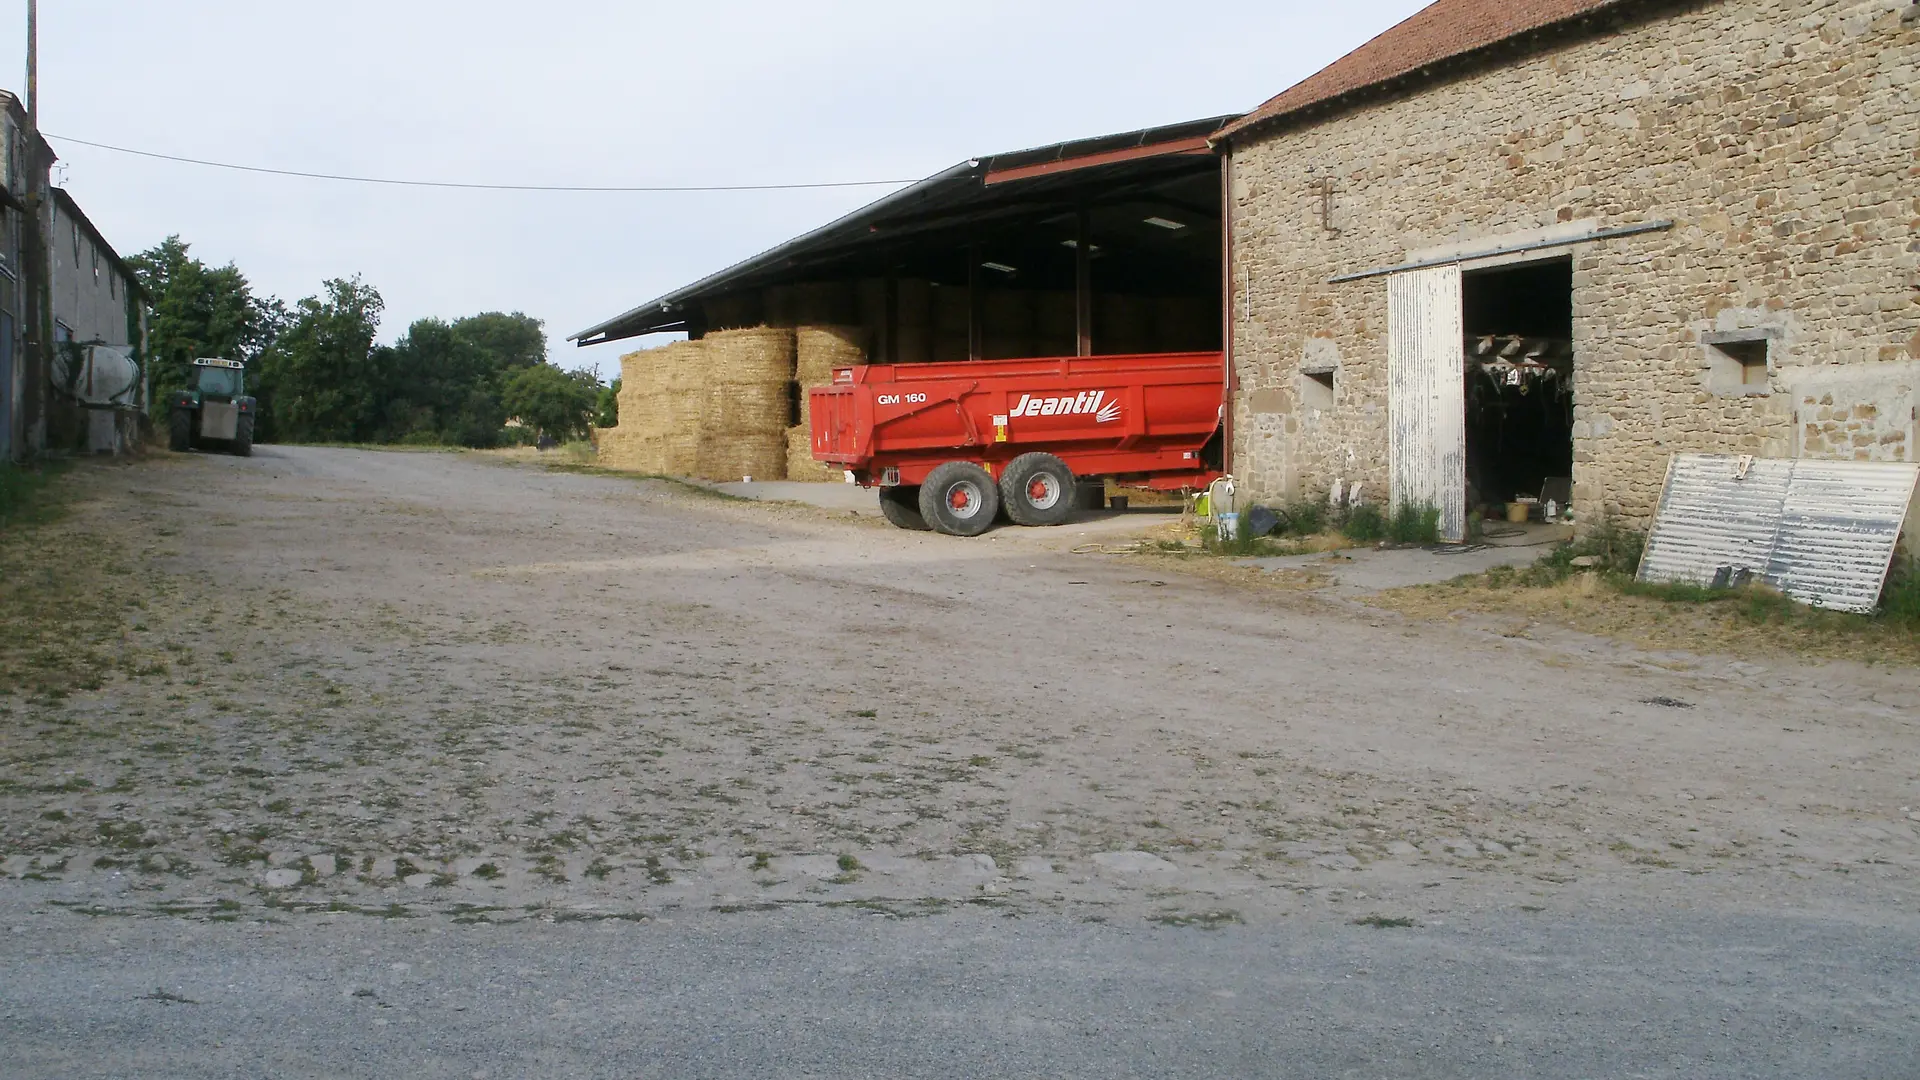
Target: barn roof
(1442, 32)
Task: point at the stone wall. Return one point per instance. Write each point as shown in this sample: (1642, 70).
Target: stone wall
(1781, 138)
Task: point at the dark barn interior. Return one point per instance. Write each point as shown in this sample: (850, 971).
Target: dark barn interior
(1097, 247)
(1519, 347)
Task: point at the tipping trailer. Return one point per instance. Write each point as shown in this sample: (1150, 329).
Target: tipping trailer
(950, 445)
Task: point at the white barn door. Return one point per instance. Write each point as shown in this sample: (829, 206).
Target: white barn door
(1426, 395)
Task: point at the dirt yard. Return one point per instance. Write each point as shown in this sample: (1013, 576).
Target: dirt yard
(430, 684)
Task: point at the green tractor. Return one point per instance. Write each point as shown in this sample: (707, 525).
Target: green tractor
(214, 408)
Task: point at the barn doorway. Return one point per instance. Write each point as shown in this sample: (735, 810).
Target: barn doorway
(1518, 323)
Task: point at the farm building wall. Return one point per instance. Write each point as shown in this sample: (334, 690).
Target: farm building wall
(1781, 138)
(93, 299)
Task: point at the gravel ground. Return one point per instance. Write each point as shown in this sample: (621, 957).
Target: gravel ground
(427, 683)
(423, 763)
(812, 993)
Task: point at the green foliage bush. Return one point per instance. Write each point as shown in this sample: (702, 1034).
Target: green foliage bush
(606, 411)
(1900, 601)
(551, 401)
(1304, 518)
(1364, 524)
(1414, 524)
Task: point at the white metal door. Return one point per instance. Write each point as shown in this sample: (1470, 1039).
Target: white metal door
(1426, 395)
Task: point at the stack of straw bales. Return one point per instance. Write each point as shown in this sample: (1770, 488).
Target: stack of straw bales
(662, 405)
(718, 408)
(818, 350)
(749, 387)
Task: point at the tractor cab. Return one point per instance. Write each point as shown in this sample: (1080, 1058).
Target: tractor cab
(222, 380)
(214, 408)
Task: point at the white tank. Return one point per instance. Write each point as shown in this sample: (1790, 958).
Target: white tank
(107, 375)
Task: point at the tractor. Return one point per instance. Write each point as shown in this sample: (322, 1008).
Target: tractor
(214, 408)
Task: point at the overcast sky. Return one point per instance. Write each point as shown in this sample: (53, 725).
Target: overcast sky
(572, 92)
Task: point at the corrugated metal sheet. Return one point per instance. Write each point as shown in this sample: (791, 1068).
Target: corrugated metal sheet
(1823, 532)
(1426, 395)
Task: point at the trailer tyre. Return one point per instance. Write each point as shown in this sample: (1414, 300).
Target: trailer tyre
(960, 499)
(1038, 489)
(180, 431)
(901, 507)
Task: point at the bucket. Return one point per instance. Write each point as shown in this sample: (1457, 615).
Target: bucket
(1229, 525)
(1517, 512)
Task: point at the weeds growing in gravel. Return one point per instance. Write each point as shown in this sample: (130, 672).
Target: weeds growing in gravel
(27, 494)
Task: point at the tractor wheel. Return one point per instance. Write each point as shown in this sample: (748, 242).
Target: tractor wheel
(242, 444)
(901, 507)
(1038, 489)
(180, 431)
(959, 499)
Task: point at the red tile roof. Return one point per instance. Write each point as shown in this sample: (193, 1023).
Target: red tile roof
(1441, 31)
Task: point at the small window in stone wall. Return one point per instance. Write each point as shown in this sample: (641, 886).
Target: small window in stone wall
(1316, 391)
(1739, 363)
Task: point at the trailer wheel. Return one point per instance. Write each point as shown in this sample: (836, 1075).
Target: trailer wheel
(960, 499)
(1038, 489)
(901, 507)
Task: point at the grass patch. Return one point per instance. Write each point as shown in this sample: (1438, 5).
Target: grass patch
(67, 590)
(28, 494)
(1385, 922)
(1591, 586)
(1204, 920)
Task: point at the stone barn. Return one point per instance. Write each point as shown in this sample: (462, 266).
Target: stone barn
(1522, 246)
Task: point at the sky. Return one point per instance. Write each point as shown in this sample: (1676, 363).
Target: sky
(568, 92)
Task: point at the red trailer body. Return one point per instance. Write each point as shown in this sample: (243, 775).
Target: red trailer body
(1143, 419)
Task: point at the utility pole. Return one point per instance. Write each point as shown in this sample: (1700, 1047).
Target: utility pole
(36, 258)
(33, 66)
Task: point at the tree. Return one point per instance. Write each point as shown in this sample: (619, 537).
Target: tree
(551, 401)
(445, 380)
(323, 380)
(441, 388)
(510, 342)
(606, 411)
(199, 310)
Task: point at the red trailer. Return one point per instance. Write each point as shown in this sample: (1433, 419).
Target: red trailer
(950, 444)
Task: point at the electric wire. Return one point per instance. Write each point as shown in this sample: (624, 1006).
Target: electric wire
(446, 184)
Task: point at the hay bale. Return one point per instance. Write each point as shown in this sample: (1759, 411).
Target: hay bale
(759, 355)
(715, 408)
(618, 448)
(800, 462)
(820, 349)
(724, 457)
(662, 407)
(747, 408)
(747, 399)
